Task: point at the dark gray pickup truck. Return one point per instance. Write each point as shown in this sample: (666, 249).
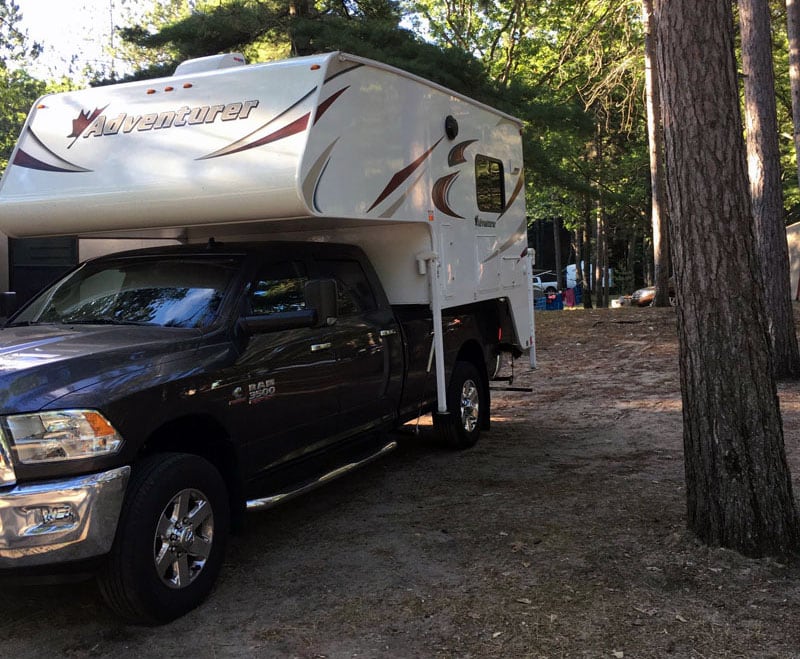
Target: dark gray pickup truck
(148, 399)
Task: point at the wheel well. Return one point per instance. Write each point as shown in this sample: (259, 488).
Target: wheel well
(204, 436)
(472, 352)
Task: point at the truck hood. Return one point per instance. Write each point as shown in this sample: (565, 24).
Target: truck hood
(41, 363)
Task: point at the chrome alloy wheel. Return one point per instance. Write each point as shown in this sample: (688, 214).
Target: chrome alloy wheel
(470, 405)
(183, 539)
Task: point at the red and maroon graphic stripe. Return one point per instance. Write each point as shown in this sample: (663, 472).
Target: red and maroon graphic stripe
(400, 177)
(441, 191)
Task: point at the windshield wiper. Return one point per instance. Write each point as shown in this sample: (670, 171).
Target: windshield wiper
(28, 323)
(102, 320)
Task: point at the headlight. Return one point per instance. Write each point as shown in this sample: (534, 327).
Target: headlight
(61, 435)
(7, 476)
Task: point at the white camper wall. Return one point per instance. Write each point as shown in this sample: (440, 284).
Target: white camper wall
(380, 151)
(207, 147)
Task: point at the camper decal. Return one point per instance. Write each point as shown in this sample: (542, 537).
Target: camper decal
(456, 155)
(84, 120)
(520, 234)
(33, 154)
(328, 102)
(290, 124)
(400, 177)
(389, 212)
(311, 182)
(97, 124)
(441, 191)
(314, 176)
(517, 189)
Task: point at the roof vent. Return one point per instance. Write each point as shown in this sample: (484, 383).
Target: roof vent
(210, 63)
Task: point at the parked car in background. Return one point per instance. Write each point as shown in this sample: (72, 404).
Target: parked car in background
(545, 283)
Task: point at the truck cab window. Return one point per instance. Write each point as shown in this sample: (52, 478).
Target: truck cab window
(278, 288)
(489, 184)
(353, 290)
(169, 292)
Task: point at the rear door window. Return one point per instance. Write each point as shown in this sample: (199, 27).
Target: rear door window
(278, 287)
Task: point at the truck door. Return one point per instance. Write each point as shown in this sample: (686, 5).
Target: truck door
(368, 348)
(288, 378)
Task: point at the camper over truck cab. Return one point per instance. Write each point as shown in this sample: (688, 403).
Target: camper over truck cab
(326, 233)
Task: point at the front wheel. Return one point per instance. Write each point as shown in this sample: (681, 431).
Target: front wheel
(467, 405)
(170, 539)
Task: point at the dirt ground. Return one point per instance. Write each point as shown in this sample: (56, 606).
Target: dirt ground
(561, 534)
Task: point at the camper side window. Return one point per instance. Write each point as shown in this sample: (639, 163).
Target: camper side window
(489, 184)
(279, 288)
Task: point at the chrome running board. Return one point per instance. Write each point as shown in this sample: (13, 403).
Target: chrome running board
(274, 499)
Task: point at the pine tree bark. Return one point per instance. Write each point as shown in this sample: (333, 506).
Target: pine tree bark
(587, 254)
(764, 169)
(793, 34)
(656, 149)
(557, 252)
(738, 487)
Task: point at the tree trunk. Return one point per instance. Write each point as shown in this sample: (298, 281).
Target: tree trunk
(738, 487)
(587, 253)
(656, 148)
(764, 168)
(793, 33)
(597, 277)
(633, 241)
(557, 250)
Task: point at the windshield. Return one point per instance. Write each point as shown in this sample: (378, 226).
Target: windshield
(168, 291)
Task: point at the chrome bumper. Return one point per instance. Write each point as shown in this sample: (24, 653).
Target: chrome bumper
(60, 521)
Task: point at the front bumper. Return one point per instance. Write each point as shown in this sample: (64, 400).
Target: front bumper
(61, 521)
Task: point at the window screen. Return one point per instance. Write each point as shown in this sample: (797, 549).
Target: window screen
(489, 184)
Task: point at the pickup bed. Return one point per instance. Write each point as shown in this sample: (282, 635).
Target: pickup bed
(149, 398)
(545, 283)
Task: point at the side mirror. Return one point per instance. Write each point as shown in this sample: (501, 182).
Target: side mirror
(8, 303)
(320, 295)
(321, 311)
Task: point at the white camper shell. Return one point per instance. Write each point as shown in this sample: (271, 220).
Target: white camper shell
(329, 148)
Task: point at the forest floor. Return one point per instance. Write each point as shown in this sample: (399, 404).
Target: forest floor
(561, 534)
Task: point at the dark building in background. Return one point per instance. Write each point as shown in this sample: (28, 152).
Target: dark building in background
(36, 262)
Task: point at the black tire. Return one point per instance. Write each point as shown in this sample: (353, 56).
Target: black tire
(170, 540)
(467, 404)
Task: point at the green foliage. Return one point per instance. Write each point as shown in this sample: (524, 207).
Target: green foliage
(18, 90)
(14, 44)
(783, 98)
(571, 70)
(139, 57)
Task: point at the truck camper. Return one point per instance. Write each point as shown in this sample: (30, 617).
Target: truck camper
(342, 247)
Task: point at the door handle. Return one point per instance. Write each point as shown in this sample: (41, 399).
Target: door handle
(388, 332)
(316, 347)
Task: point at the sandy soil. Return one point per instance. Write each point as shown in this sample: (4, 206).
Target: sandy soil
(561, 534)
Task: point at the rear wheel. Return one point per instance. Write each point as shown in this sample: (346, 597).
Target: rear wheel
(170, 540)
(467, 405)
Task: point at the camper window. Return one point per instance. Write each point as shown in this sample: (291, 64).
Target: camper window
(489, 184)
